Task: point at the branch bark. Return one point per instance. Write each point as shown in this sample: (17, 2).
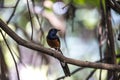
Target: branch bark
(110, 42)
(54, 53)
(114, 5)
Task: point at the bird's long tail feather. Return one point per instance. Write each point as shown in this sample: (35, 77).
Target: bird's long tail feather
(65, 66)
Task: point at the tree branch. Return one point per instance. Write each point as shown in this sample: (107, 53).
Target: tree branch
(54, 53)
(114, 5)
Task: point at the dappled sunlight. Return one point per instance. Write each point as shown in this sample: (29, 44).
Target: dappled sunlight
(27, 72)
(87, 37)
(31, 73)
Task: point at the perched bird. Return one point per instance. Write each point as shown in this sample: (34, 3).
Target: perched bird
(54, 42)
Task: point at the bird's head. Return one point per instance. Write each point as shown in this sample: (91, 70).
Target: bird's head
(53, 31)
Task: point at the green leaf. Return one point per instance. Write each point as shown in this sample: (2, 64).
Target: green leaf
(79, 2)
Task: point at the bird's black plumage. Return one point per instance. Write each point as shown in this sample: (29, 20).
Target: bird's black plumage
(52, 34)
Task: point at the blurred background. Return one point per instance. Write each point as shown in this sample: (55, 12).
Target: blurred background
(78, 22)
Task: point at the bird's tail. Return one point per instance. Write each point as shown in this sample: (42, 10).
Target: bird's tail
(65, 66)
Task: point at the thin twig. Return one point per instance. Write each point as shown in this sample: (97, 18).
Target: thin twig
(15, 7)
(40, 22)
(75, 71)
(4, 68)
(100, 34)
(11, 54)
(89, 76)
(7, 7)
(30, 17)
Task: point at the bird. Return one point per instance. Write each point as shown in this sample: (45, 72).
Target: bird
(54, 42)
